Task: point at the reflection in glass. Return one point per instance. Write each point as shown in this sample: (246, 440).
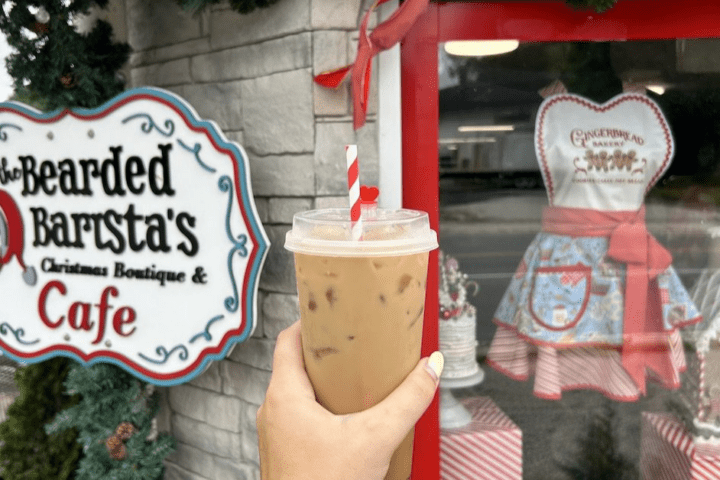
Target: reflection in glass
(492, 197)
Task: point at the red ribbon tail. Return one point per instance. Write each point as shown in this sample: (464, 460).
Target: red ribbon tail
(392, 30)
(659, 258)
(361, 84)
(333, 78)
(383, 36)
(634, 339)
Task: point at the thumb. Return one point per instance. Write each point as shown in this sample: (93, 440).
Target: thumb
(400, 410)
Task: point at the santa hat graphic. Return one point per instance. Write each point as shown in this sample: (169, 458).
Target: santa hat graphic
(11, 236)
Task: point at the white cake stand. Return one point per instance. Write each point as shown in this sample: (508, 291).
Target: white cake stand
(452, 413)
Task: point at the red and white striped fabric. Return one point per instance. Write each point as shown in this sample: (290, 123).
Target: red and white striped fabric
(580, 367)
(489, 448)
(668, 452)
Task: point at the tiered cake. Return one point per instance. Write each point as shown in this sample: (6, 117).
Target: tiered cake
(457, 321)
(701, 382)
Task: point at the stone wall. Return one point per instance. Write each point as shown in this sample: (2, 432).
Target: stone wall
(252, 75)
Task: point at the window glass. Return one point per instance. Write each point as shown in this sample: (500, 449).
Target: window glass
(580, 231)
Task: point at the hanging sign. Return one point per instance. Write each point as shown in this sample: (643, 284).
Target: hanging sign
(128, 235)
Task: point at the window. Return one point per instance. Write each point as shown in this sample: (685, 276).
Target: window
(477, 137)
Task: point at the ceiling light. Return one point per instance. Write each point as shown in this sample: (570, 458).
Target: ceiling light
(659, 89)
(486, 128)
(480, 48)
(445, 141)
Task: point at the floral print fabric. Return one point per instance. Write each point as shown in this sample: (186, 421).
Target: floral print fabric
(566, 292)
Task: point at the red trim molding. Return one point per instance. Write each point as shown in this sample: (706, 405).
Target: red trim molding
(538, 21)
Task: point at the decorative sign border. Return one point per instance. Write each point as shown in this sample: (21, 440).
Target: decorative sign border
(252, 244)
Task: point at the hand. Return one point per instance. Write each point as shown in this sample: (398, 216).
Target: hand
(301, 440)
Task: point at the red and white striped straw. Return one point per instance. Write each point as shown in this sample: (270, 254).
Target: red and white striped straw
(353, 172)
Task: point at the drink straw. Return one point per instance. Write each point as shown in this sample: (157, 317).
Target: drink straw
(353, 172)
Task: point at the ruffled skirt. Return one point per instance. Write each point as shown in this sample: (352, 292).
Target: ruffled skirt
(561, 320)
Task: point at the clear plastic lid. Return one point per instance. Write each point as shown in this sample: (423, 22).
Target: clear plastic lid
(384, 233)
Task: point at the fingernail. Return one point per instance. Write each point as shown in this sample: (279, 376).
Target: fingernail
(435, 364)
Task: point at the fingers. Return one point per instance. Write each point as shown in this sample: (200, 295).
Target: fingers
(393, 418)
(288, 364)
(262, 444)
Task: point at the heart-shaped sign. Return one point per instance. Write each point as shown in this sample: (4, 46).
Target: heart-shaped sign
(368, 194)
(601, 156)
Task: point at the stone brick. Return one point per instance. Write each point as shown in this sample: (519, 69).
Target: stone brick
(175, 472)
(173, 72)
(256, 352)
(164, 416)
(225, 412)
(192, 459)
(367, 141)
(158, 23)
(330, 50)
(229, 470)
(278, 113)
(250, 447)
(207, 438)
(171, 52)
(282, 209)
(189, 401)
(258, 332)
(228, 29)
(330, 164)
(262, 205)
(249, 421)
(176, 89)
(275, 175)
(278, 274)
(288, 53)
(220, 102)
(248, 383)
(331, 101)
(206, 406)
(331, 202)
(334, 14)
(209, 379)
(280, 312)
(236, 137)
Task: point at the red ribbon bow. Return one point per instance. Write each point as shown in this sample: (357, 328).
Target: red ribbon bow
(384, 36)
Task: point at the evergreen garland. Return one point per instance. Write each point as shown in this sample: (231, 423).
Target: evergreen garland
(240, 6)
(598, 5)
(247, 6)
(114, 420)
(27, 452)
(56, 63)
(111, 424)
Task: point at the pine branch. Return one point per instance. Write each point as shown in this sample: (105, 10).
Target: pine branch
(240, 6)
(597, 5)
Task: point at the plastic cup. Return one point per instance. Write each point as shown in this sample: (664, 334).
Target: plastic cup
(362, 305)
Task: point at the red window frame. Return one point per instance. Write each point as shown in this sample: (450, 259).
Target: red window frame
(545, 20)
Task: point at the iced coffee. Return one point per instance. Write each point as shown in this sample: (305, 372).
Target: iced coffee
(362, 307)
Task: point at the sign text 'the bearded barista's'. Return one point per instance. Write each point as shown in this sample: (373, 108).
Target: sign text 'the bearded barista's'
(116, 176)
